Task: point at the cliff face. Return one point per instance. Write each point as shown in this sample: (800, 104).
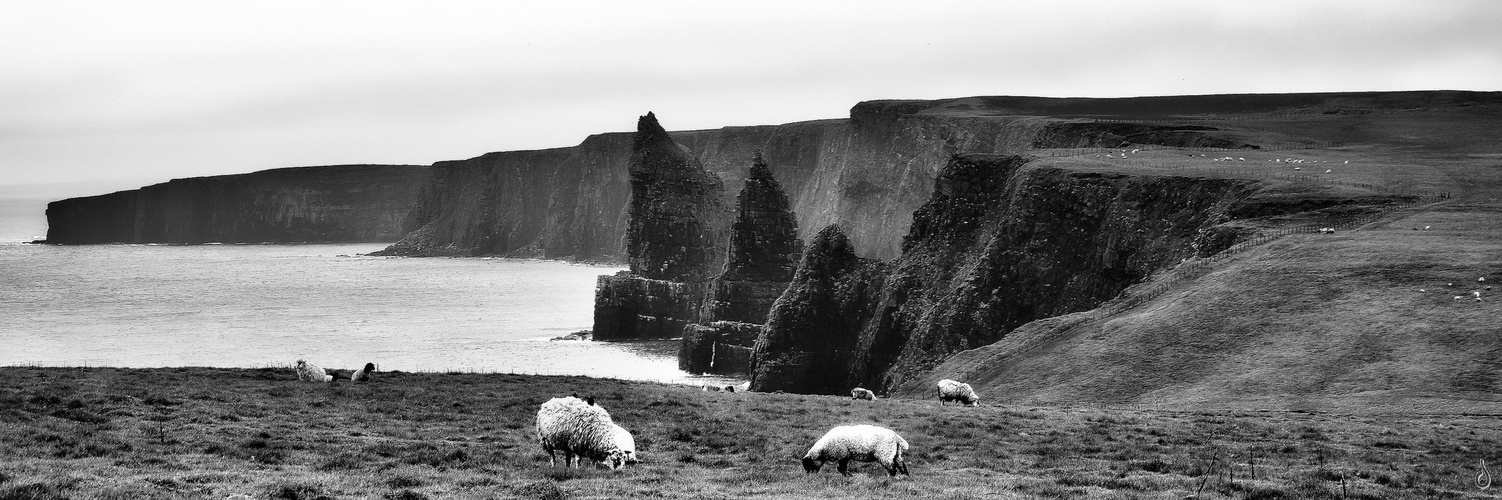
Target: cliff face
(867, 173)
(310, 204)
(1000, 244)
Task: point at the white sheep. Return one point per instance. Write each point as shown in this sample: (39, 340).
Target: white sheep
(625, 442)
(312, 373)
(575, 427)
(862, 393)
(866, 443)
(950, 390)
(363, 374)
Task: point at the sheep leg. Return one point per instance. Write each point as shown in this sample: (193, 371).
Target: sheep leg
(901, 465)
(844, 467)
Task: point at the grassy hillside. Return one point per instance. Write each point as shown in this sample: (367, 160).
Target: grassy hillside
(1360, 320)
(220, 433)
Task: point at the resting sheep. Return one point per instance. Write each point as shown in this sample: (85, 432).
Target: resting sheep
(312, 373)
(950, 390)
(866, 443)
(363, 374)
(862, 393)
(578, 428)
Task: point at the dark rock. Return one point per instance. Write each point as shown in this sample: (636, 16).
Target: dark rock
(678, 220)
(720, 347)
(814, 330)
(630, 307)
(1000, 244)
(764, 252)
(675, 242)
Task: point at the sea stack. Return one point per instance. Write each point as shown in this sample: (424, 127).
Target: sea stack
(813, 332)
(675, 242)
(764, 254)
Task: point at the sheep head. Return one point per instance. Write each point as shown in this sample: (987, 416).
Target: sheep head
(811, 466)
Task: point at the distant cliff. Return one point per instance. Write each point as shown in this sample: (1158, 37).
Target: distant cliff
(344, 203)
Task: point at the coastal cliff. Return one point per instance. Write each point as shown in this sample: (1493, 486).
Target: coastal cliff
(343, 203)
(1001, 243)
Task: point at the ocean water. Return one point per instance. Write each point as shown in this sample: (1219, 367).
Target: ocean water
(269, 305)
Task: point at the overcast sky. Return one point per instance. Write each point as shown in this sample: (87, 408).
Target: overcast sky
(143, 91)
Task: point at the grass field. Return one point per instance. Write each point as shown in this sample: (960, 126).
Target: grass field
(259, 433)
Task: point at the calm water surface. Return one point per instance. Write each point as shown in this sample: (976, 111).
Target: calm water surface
(269, 305)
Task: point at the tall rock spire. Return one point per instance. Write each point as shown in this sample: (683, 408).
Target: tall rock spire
(678, 226)
(764, 253)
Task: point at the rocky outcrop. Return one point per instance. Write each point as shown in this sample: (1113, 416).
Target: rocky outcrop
(345, 203)
(815, 328)
(764, 252)
(677, 231)
(1001, 243)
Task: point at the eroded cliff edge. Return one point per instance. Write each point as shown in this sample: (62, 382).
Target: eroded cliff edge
(340, 203)
(1001, 243)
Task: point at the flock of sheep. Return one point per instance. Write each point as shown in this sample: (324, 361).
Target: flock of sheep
(582, 430)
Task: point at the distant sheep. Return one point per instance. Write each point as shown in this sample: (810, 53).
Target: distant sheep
(308, 372)
(950, 390)
(862, 393)
(865, 443)
(576, 427)
(363, 374)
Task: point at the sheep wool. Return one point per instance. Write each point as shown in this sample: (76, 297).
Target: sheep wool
(950, 390)
(363, 374)
(575, 427)
(865, 443)
(309, 372)
(862, 393)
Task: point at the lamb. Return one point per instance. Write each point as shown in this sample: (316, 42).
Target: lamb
(866, 443)
(862, 393)
(950, 390)
(363, 374)
(575, 427)
(312, 373)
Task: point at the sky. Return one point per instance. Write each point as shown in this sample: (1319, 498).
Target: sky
(111, 95)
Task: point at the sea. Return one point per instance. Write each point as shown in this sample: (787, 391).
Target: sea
(269, 305)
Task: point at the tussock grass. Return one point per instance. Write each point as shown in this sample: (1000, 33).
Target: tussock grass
(260, 434)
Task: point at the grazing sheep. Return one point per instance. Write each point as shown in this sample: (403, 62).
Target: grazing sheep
(312, 373)
(575, 427)
(862, 393)
(1478, 296)
(625, 442)
(950, 390)
(363, 374)
(866, 443)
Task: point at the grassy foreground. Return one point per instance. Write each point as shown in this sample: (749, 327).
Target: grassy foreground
(259, 433)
